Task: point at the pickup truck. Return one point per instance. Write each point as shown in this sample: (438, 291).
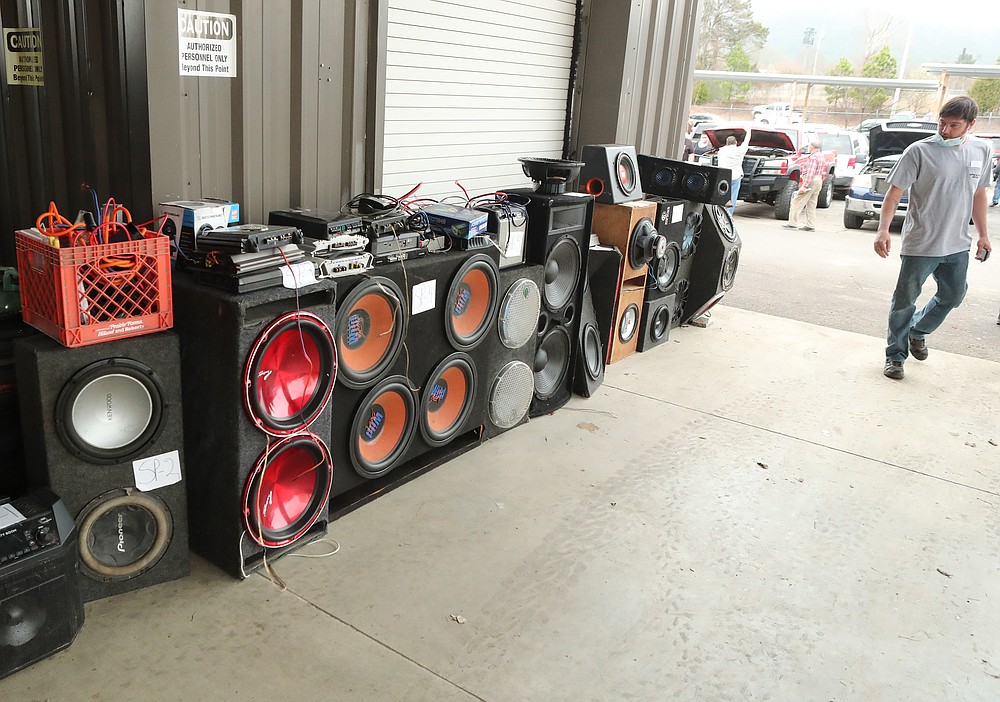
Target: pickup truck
(773, 163)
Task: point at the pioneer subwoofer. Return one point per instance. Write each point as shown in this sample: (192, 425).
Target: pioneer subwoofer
(102, 423)
(716, 261)
(260, 369)
(630, 227)
(610, 173)
(681, 179)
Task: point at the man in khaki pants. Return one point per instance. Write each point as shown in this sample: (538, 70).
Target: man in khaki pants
(810, 185)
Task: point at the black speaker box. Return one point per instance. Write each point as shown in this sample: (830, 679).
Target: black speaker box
(13, 479)
(656, 323)
(689, 181)
(41, 609)
(413, 338)
(716, 259)
(559, 228)
(259, 369)
(610, 173)
(680, 223)
(103, 429)
(591, 351)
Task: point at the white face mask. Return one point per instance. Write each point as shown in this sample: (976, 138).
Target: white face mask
(938, 139)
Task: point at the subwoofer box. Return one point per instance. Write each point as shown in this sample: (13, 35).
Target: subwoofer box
(680, 179)
(617, 303)
(610, 173)
(101, 426)
(656, 322)
(627, 226)
(234, 346)
(716, 260)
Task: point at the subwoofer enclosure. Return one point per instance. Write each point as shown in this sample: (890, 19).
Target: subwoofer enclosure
(716, 261)
(610, 173)
(101, 424)
(591, 348)
(630, 227)
(259, 372)
(657, 321)
(617, 303)
(689, 181)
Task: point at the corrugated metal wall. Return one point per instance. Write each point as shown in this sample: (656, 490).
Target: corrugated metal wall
(289, 130)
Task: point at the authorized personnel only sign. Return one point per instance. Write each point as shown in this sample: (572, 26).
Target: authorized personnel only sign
(206, 43)
(23, 56)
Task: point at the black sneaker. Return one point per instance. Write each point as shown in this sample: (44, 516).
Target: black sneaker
(808, 229)
(918, 349)
(893, 369)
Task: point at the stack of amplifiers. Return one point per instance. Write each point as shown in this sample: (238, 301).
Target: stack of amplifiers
(424, 374)
(558, 238)
(259, 370)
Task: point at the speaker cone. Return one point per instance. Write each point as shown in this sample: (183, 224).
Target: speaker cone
(369, 331)
(518, 319)
(729, 267)
(660, 324)
(287, 490)
(552, 361)
(724, 221)
(665, 267)
(448, 398)
(472, 302)
(22, 618)
(383, 427)
(646, 243)
(628, 323)
(562, 273)
(666, 178)
(110, 410)
(692, 230)
(123, 533)
(626, 173)
(510, 395)
(289, 373)
(593, 352)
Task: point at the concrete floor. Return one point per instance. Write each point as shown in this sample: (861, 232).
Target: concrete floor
(750, 512)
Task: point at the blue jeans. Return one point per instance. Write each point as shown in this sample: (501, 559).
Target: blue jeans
(950, 275)
(734, 193)
(996, 193)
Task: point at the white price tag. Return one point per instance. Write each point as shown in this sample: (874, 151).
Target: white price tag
(676, 214)
(9, 516)
(423, 297)
(298, 275)
(515, 244)
(157, 471)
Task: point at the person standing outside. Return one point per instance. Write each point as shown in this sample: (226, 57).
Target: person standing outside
(947, 176)
(996, 188)
(731, 156)
(810, 185)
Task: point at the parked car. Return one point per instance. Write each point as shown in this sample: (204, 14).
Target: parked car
(773, 163)
(698, 138)
(852, 155)
(995, 139)
(776, 113)
(886, 142)
(700, 117)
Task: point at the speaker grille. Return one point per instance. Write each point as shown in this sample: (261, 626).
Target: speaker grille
(287, 490)
(510, 394)
(122, 534)
(472, 302)
(552, 362)
(666, 177)
(628, 323)
(692, 230)
(383, 427)
(519, 311)
(289, 373)
(369, 331)
(448, 399)
(562, 273)
(110, 410)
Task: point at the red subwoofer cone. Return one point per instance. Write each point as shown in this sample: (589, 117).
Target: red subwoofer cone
(369, 331)
(287, 491)
(290, 373)
(383, 427)
(448, 396)
(472, 302)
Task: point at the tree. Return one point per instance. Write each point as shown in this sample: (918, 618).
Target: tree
(877, 33)
(726, 24)
(880, 65)
(699, 93)
(986, 93)
(965, 57)
(737, 61)
(836, 95)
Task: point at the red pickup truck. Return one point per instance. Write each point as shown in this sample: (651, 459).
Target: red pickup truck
(772, 165)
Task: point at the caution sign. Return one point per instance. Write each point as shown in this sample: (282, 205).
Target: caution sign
(23, 56)
(206, 43)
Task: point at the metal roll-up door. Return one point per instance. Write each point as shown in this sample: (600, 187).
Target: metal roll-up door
(470, 86)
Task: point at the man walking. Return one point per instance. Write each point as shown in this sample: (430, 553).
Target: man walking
(947, 176)
(731, 156)
(810, 185)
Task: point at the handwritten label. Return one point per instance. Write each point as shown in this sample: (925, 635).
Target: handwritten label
(298, 275)
(157, 471)
(423, 297)
(515, 244)
(676, 214)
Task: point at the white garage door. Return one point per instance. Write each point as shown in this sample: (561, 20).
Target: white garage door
(471, 85)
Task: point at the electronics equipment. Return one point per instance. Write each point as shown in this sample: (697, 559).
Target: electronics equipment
(716, 260)
(617, 303)
(630, 227)
(41, 609)
(384, 223)
(681, 179)
(102, 427)
(610, 173)
(507, 222)
(551, 176)
(346, 264)
(183, 219)
(259, 371)
(316, 223)
(656, 321)
(456, 222)
(336, 245)
(394, 243)
(245, 238)
(590, 353)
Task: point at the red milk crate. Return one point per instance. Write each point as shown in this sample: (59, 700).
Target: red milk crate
(82, 295)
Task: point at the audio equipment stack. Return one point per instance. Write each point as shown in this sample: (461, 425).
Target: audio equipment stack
(716, 259)
(259, 372)
(667, 279)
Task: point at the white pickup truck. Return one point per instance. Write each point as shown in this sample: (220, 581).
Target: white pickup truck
(776, 113)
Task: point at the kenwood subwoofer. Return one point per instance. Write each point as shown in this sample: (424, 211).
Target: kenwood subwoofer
(420, 409)
(716, 260)
(631, 227)
(617, 303)
(589, 369)
(680, 179)
(259, 374)
(559, 228)
(656, 322)
(610, 173)
(41, 609)
(103, 428)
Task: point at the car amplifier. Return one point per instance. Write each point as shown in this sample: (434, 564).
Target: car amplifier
(247, 238)
(32, 523)
(317, 224)
(456, 222)
(389, 243)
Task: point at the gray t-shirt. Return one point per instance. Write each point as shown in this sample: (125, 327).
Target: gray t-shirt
(941, 181)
